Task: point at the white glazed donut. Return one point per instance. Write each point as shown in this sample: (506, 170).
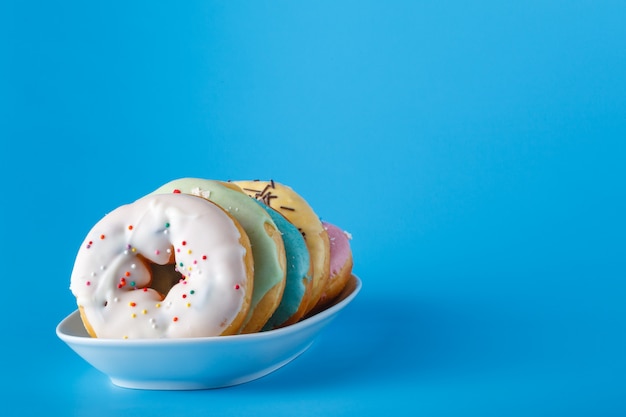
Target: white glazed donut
(205, 252)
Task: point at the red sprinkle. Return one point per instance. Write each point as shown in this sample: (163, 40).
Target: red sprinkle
(204, 257)
(101, 236)
(176, 191)
(175, 319)
(237, 286)
(130, 227)
(184, 242)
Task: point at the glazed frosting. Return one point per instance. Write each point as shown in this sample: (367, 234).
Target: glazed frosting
(298, 271)
(290, 204)
(111, 278)
(269, 264)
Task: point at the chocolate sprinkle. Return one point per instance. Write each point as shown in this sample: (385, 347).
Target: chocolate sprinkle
(265, 190)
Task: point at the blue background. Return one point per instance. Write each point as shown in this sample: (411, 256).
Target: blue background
(475, 150)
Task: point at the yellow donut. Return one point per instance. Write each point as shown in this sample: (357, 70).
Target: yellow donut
(295, 208)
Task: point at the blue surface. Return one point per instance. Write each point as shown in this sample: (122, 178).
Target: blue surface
(475, 151)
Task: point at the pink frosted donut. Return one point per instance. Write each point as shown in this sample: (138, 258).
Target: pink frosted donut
(340, 263)
(165, 266)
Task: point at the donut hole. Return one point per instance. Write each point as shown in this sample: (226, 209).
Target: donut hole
(164, 277)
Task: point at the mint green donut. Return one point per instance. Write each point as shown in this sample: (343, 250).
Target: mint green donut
(269, 259)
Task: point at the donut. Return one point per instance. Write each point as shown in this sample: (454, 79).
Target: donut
(268, 252)
(154, 242)
(294, 208)
(341, 263)
(297, 292)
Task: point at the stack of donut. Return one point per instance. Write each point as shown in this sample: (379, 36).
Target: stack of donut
(200, 257)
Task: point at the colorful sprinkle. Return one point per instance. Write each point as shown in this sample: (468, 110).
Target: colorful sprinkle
(175, 319)
(204, 257)
(184, 242)
(127, 273)
(237, 286)
(130, 227)
(88, 283)
(133, 315)
(176, 191)
(192, 292)
(132, 304)
(158, 305)
(144, 311)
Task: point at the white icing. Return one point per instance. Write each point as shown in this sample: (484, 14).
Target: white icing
(111, 276)
(201, 193)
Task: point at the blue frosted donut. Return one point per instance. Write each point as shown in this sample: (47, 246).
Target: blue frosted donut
(296, 295)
